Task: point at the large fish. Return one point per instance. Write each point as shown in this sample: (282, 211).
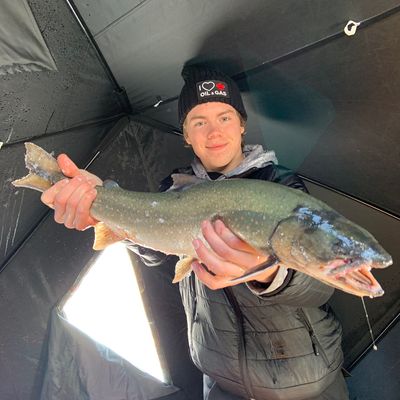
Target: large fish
(289, 226)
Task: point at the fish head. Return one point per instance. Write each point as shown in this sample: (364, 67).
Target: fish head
(324, 244)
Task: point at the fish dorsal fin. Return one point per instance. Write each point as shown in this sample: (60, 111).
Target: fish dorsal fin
(183, 181)
(104, 236)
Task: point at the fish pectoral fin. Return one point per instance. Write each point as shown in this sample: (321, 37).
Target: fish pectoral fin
(104, 236)
(257, 270)
(183, 268)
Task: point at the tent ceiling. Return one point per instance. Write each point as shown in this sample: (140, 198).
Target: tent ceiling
(333, 98)
(147, 42)
(68, 109)
(78, 92)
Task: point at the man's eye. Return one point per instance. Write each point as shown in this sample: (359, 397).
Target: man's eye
(226, 118)
(199, 123)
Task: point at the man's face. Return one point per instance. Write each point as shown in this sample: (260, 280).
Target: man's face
(215, 133)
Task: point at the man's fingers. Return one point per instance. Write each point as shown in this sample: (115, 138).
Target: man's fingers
(211, 281)
(67, 166)
(83, 219)
(231, 239)
(94, 180)
(70, 169)
(62, 197)
(215, 241)
(73, 203)
(216, 265)
(225, 250)
(227, 256)
(71, 199)
(48, 196)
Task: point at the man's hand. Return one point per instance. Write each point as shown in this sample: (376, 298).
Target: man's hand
(228, 257)
(72, 198)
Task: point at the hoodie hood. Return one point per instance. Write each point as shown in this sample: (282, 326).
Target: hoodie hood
(254, 157)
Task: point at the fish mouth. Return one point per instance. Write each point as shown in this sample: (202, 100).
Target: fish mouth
(354, 276)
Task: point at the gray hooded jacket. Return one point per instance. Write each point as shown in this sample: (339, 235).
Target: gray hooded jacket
(258, 344)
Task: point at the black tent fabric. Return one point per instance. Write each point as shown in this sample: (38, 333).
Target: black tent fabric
(327, 104)
(22, 47)
(79, 92)
(240, 35)
(21, 209)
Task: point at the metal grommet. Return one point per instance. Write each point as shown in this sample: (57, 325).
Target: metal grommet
(351, 28)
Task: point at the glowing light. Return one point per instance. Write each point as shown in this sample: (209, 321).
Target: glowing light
(108, 307)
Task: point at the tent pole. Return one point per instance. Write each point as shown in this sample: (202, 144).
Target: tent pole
(352, 197)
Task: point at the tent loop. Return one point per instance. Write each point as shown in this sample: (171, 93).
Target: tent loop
(159, 101)
(351, 28)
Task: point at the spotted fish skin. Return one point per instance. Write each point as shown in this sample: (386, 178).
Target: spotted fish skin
(169, 221)
(289, 226)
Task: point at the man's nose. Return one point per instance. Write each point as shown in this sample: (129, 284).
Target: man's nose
(213, 129)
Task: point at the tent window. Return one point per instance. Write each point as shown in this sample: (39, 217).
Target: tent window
(108, 307)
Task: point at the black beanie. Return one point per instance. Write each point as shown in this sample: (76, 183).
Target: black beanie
(202, 85)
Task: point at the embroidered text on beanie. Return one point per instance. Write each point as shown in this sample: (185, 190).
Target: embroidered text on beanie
(202, 85)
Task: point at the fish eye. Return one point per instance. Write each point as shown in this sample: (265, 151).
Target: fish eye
(310, 229)
(337, 245)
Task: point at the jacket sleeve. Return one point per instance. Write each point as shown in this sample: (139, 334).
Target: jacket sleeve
(149, 257)
(299, 290)
(286, 177)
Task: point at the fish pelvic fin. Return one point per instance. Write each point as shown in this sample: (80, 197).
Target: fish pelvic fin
(104, 236)
(182, 269)
(43, 169)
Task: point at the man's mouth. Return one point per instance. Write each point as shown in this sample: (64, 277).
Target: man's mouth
(215, 147)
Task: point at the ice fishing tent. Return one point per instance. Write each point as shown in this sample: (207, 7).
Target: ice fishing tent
(99, 80)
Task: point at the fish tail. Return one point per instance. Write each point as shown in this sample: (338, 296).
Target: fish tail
(43, 169)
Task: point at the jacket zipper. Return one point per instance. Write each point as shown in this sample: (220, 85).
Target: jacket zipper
(192, 286)
(242, 345)
(317, 348)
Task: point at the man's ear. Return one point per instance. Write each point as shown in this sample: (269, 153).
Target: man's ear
(186, 138)
(242, 129)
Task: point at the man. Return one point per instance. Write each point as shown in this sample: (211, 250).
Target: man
(269, 338)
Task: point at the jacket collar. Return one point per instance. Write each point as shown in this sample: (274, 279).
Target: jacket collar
(254, 157)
